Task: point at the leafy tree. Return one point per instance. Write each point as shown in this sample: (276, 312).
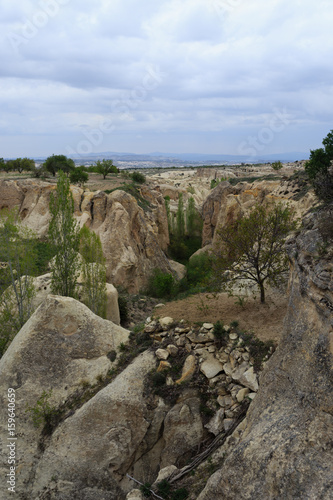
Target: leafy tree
(18, 255)
(56, 163)
(180, 219)
(21, 164)
(105, 167)
(64, 234)
(252, 248)
(94, 272)
(277, 165)
(78, 176)
(320, 170)
(2, 164)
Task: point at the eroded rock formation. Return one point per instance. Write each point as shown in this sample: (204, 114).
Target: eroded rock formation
(286, 449)
(133, 239)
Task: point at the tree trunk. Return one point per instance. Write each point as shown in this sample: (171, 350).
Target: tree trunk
(262, 293)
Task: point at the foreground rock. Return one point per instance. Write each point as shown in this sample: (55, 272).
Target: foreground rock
(286, 449)
(62, 348)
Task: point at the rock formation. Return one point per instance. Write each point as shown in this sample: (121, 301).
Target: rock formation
(63, 347)
(286, 449)
(226, 202)
(133, 239)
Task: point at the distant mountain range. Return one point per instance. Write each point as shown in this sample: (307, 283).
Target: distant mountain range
(178, 159)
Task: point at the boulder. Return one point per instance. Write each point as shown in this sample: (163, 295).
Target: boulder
(62, 348)
(211, 366)
(183, 430)
(43, 289)
(178, 269)
(188, 369)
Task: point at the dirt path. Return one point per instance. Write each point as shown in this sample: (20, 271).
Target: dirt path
(264, 320)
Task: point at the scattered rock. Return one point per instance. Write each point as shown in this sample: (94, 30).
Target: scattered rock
(211, 367)
(162, 354)
(188, 369)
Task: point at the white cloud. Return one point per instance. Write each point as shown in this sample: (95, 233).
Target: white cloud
(221, 66)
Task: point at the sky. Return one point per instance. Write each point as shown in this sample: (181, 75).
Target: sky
(175, 76)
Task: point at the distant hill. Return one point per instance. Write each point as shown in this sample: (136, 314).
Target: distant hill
(179, 159)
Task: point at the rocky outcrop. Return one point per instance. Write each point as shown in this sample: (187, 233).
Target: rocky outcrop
(63, 347)
(226, 202)
(286, 450)
(133, 239)
(42, 286)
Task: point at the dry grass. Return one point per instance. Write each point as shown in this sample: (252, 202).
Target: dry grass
(264, 320)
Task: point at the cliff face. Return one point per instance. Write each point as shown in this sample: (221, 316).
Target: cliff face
(226, 202)
(133, 239)
(286, 448)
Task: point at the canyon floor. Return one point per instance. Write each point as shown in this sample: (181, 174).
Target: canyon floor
(264, 320)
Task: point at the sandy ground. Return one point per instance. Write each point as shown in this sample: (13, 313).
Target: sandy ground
(264, 320)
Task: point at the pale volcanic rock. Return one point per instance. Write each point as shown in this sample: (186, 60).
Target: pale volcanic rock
(97, 443)
(60, 346)
(133, 240)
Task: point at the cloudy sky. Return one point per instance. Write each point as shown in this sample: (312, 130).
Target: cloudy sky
(204, 76)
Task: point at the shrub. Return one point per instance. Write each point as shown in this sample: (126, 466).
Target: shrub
(199, 269)
(277, 165)
(42, 412)
(161, 285)
(220, 333)
(138, 177)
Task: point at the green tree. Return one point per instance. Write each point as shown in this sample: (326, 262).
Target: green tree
(78, 176)
(105, 167)
(320, 169)
(180, 218)
(64, 234)
(94, 272)
(56, 163)
(2, 164)
(252, 248)
(17, 253)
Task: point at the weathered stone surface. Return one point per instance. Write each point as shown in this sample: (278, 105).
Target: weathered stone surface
(215, 425)
(165, 473)
(178, 268)
(162, 354)
(172, 350)
(211, 366)
(62, 346)
(165, 322)
(241, 394)
(182, 430)
(102, 435)
(249, 379)
(135, 495)
(285, 450)
(42, 285)
(133, 241)
(200, 338)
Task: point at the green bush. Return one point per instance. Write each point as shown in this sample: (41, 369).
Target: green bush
(199, 269)
(220, 333)
(138, 177)
(42, 412)
(161, 285)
